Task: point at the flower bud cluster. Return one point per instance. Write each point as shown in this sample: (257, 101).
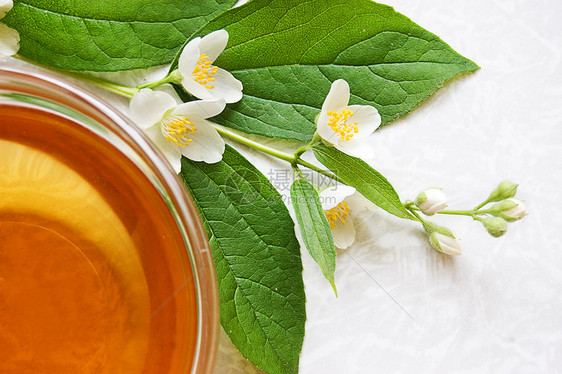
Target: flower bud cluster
(494, 219)
(507, 209)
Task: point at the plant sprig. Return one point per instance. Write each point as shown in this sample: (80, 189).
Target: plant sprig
(294, 87)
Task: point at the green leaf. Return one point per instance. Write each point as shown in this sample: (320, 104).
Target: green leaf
(107, 35)
(288, 52)
(366, 180)
(315, 229)
(257, 259)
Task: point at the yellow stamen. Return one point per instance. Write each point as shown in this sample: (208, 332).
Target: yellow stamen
(204, 71)
(338, 123)
(177, 129)
(337, 213)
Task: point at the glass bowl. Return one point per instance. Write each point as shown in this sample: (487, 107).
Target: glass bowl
(104, 263)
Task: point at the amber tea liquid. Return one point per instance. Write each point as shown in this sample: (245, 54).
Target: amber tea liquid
(94, 277)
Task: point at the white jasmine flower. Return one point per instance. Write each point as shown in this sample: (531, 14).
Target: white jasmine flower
(338, 202)
(9, 38)
(179, 129)
(431, 201)
(199, 77)
(347, 126)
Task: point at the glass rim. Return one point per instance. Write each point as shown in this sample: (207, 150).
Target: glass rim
(54, 88)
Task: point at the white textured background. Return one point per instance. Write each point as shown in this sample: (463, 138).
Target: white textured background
(404, 308)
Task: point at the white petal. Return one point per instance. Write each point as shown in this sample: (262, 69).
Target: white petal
(363, 149)
(344, 233)
(170, 90)
(358, 202)
(213, 44)
(368, 120)
(338, 96)
(332, 196)
(324, 130)
(200, 108)
(9, 41)
(226, 86)
(5, 6)
(196, 89)
(170, 150)
(148, 107)
(189, 57)
(207, 144)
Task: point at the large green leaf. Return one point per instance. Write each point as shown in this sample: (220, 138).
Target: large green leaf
(315, 229)
(366, 180)
(107, 35)
(287, 53)
(257, 259)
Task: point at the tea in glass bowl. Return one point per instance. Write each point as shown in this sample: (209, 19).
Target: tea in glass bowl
(104, 265)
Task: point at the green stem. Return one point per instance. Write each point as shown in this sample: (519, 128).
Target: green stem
(154, 83)
(318, 170)
(253, 144)
(481, 204)
(125, 91)
(469, 213)
(292, 159)
(301, 150)
(98, 82)
(412, 210)
(298, 172)
(173, 77)
(485, 211)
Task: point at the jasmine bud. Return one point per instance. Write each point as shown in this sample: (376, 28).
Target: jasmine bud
(443, 240)
(504, 190)
(431, 201)
(496, 226)
(510, 209)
